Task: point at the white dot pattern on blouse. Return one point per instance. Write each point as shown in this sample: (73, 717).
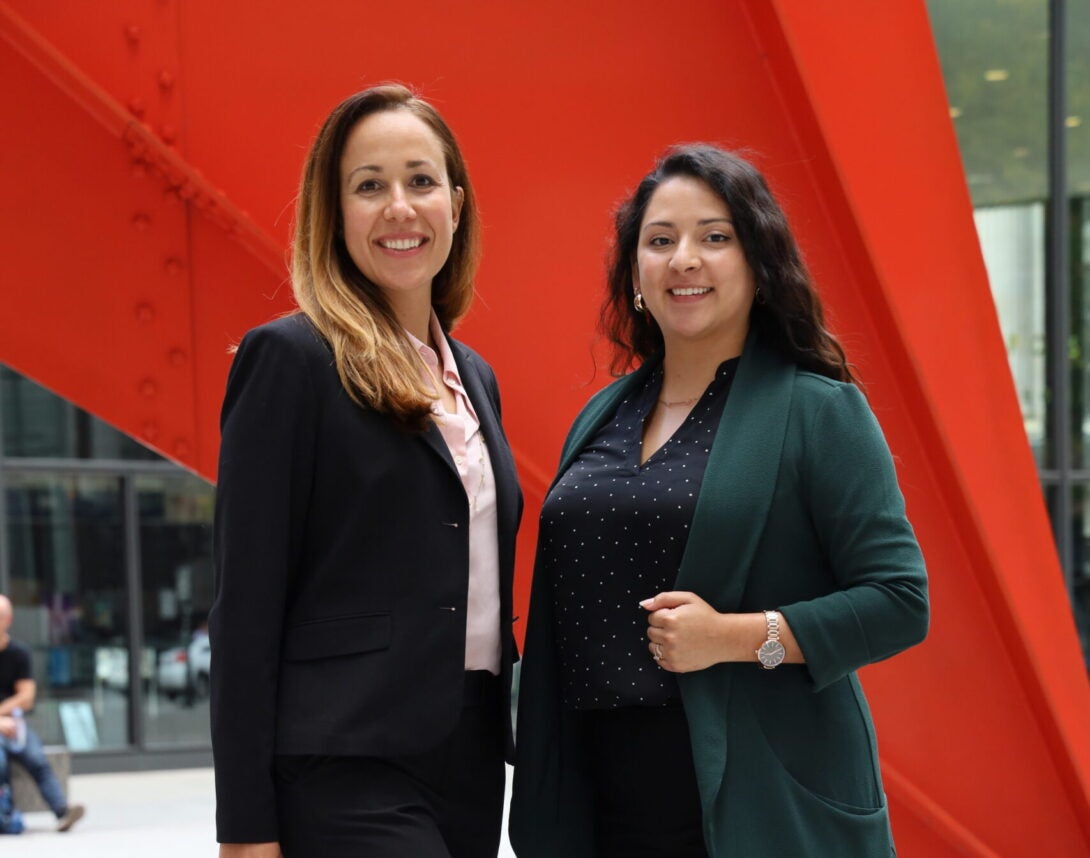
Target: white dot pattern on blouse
(613, 533)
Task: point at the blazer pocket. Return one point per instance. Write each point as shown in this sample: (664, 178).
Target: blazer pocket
(337, 636)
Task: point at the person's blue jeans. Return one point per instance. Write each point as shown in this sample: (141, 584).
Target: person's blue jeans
(32, 758)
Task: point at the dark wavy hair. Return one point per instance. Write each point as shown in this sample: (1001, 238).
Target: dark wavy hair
(788, 315)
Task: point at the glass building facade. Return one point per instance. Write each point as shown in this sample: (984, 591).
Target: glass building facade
(1017, 76)
(105, 551)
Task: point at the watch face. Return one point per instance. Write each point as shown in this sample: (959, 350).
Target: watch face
(771, 653)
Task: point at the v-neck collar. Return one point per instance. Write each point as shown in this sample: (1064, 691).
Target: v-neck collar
(643, 403)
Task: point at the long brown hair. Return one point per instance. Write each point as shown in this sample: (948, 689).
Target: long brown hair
(374, 358)
(788, 315)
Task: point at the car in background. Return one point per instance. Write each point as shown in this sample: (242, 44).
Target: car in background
(112, 667)
(184, 669)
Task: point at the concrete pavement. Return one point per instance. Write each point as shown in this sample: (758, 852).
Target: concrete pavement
(166, 814)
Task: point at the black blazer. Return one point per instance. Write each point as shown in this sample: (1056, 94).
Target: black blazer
(342, 561)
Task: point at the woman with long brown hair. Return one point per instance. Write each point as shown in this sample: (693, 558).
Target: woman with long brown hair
(366, 513)
(725, 544)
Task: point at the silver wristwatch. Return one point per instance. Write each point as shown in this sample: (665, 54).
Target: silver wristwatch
(771, 654)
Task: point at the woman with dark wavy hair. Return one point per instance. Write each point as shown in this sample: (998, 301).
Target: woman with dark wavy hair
(366, 512)
(725, 544)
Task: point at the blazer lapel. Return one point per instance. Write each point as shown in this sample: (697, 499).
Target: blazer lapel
(503, 464)
(730, 514)
(739, 480)
(434, 439)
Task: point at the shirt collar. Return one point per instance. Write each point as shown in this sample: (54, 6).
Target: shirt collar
(444, 357)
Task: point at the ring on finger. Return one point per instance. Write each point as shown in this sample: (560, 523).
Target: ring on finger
(658, 651)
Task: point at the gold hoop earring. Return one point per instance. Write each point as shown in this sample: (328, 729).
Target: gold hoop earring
(637, 302)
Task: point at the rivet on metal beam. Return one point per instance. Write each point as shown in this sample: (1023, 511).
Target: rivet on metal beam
(133, 33)
(138, 149)
(150, 430)
(181, 448)
(138, 107)
(166, 81)
(141, 222)
(148, 388)
(174, 266)
(168, 134)
(177, 357)
(145, 313)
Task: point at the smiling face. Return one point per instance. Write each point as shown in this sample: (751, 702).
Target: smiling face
(398, 209)
(690, 266)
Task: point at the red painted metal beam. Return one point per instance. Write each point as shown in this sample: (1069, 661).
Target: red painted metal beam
(148, 149)
(162, 193)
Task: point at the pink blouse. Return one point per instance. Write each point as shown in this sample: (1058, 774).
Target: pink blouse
(461, 431)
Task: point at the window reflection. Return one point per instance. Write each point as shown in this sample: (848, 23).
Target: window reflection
(1078, 98)
(994, 56)
(175, 556)
(1012, 240)
(66, 545)
(1080, 590)
(1078, 178)
(39, 424)
(66, 553)
(1080, 292)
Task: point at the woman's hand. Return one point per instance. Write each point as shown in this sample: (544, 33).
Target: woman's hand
(250, 850)
(686, 633)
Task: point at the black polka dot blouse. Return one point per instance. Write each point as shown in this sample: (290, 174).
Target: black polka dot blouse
(613, 533)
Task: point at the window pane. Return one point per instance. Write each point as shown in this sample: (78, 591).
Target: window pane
(176, 557)
(1012, 241)
(1080, 322)
(1078, 177)
(67, 555)
(1080, 585)
(994, 56)
(38, 423)
(1078, 98)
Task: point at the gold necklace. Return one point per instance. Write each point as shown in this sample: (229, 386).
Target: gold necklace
(678, 402)
(480, 464)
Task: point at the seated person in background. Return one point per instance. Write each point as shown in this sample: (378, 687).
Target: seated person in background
(17, 740)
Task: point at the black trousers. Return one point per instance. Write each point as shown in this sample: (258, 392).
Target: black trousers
(646, 803)
(444, 803)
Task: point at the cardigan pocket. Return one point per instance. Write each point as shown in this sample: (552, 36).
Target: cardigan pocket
(819, 827)
(822, 743)
(766, 811)
(337, 636)
(811, 797)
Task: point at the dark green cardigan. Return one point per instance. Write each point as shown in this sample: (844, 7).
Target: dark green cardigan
(799, 511)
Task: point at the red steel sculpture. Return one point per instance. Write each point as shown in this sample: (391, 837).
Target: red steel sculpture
(151, 151)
